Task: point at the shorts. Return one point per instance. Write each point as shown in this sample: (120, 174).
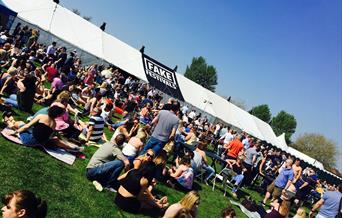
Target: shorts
(274, 190)
(28, 139)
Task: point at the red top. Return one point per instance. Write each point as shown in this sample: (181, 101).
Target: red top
(235, 147)
(51, 73)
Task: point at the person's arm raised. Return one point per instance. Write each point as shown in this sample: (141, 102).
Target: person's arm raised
(28, 125)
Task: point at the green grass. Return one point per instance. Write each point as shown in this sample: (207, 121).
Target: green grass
(68, 192)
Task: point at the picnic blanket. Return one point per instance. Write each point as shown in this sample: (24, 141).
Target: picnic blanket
(245, 211)
(92, 143)
(56, 152)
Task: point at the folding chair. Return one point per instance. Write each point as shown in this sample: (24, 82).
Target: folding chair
(225, 175)
(200, 174)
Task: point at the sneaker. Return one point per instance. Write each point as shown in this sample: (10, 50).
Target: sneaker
(110, 189)
(29, 118)
(234, 195)
(98, 186)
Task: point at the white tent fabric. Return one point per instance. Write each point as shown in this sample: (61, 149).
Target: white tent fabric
(267, 132)
(281, 142)
(84, 35)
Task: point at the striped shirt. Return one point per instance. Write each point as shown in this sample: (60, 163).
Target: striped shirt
(98, 123)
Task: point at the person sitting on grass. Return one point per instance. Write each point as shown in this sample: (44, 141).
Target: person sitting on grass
(133, 187)
(182, 177)
(142, 159)
(93, 131)
(106, 164)
(190, 201)
(23, 203)
(40, 130)
(25, 95)
(128, 128)
(64, 124)
(134, 145)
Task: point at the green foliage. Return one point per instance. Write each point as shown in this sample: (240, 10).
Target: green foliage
(240, 103)
(201, 73)
(318, 147)
(262, 112)
(284, 123)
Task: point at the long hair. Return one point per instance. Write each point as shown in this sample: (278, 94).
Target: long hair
(190, 199)
(284, 208)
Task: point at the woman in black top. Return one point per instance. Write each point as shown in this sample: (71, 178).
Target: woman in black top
(132, 186)
(26, 93)
(39, 130)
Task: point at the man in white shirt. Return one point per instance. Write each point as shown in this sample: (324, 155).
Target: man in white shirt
(51, 49)
(245, 142)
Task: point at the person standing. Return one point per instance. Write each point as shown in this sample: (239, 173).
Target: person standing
(252, 154)
(234, 148)
(166, 123)
(281, 183)
(329, 205)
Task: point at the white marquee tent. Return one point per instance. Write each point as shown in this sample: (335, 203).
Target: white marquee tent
(73, 29)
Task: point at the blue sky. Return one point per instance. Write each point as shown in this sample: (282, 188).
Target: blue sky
(286, 54)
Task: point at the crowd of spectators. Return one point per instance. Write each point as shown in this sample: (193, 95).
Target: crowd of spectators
(152, 142)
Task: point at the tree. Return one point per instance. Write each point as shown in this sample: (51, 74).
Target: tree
(87, 18)
(262, 112)
(76, 11)
(318, 147)
(201, 73)
(240, 103)
(284, 123)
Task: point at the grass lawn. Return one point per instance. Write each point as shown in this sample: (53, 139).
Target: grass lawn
(68, 192)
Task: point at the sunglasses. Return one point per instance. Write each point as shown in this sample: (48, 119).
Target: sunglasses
(149, 155)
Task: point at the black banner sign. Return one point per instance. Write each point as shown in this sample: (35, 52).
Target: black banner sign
(161, 77)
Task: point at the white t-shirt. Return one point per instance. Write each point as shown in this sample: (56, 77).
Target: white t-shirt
(228, 137)
(192, 115)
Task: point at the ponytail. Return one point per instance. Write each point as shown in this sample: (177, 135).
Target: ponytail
(41, 208)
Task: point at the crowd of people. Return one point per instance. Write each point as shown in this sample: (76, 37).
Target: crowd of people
(148, 137)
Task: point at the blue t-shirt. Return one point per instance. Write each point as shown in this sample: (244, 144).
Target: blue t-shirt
(284, 176)
(331, 203)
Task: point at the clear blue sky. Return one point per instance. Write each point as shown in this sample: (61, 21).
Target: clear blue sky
(286, 54)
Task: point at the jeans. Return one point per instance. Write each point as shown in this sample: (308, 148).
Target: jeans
(12, 100)
(210, 172)
(154, 144)
(116, 125)
(238, 179)
(28, 139)
(107, 173)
